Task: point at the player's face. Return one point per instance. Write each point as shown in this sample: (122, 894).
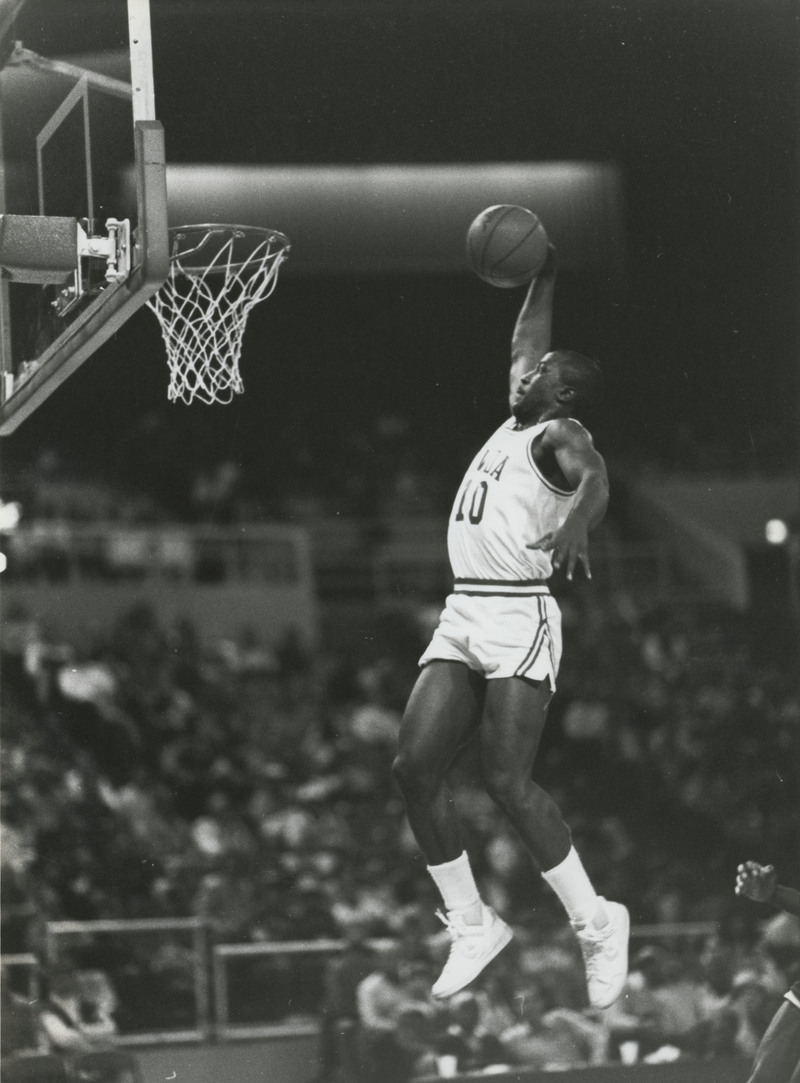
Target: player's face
(536, 389)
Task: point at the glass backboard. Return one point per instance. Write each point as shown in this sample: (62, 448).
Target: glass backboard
(81, 249)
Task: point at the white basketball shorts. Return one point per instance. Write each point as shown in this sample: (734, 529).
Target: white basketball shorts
(500, 636)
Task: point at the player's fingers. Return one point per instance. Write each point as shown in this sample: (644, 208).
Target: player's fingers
(575, 556)
(545, 542)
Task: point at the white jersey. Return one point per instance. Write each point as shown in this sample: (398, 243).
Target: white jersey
(503, 504)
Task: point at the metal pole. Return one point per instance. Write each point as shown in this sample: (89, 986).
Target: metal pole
(6, 362)
(141, 49)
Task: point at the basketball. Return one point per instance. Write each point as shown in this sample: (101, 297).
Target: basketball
(506, 245)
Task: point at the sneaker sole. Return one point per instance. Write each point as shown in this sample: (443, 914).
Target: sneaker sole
(505, 939)
(625, 931)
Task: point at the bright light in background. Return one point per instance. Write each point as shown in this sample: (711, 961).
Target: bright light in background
(3, 562)
(776, 532)
(10, 515)
(404, 217)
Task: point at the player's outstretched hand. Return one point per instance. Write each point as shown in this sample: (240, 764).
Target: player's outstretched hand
(569, 546)
(756, 882)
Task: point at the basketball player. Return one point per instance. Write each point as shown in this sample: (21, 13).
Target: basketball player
(778, 1056)
(526, 506)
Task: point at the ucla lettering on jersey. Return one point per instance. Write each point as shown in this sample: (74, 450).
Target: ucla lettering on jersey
(503, 504)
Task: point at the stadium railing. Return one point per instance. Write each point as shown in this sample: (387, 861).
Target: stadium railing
(342, 558)
(174, 985)
(157, 967)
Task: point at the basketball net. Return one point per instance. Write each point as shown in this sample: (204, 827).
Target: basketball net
(202, 307)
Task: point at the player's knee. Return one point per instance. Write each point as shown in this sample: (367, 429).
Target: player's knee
(411, 775)
(505, 785)
(403, 771)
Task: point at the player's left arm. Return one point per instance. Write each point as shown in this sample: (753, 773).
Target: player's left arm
(585, 470)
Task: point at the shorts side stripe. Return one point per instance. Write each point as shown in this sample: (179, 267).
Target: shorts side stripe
(530, 658)
(542, 638)
(551, 645)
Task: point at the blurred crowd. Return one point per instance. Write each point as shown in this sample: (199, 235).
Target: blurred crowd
(382, 465)
(699, 1001)
(151, 772)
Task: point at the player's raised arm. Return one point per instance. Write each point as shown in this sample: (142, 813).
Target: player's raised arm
(760, 883)
(533, 329)
(585, 470)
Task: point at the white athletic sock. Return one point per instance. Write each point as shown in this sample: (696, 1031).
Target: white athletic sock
(574, 889)
(458, 889)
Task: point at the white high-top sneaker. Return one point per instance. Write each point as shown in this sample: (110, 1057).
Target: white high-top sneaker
(605, 955)
(472, 948)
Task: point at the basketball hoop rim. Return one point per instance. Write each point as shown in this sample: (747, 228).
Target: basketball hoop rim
(258, 234)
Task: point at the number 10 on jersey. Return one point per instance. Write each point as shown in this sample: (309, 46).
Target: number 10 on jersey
(472, 502)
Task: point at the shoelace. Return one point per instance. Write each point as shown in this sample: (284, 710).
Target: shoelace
(594, 946)
(457, 932)
(448, 924)
(461, 944)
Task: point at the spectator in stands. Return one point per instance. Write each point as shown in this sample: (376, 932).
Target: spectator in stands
(60, 1015)
(753, 1007)
(467, 1038)
(360, 904)
(88, 1047)
(551, 1038)
(405, 1052)
(98, 1005)
(19, 911)
(495, 997)
(226, 902)
(380, 996)
(717, 962)
(19, 1033)
(396, 986)
(678, 1005)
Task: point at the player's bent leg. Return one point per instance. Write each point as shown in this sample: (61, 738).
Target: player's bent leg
(513, 721)
(442, 714)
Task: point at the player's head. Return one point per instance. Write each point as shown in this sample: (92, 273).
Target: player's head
(564, 383)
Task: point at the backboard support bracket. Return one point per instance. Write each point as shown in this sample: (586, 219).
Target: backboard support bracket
(115, 249)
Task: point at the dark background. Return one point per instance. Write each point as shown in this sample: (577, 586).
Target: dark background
(695, 100)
